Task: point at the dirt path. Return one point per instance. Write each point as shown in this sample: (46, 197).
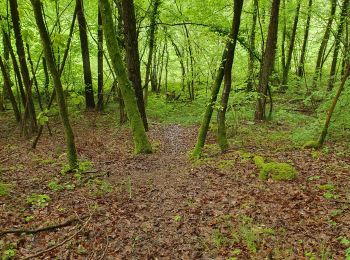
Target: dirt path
(162, 206)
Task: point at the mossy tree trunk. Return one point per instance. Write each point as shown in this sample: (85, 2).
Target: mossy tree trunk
(132, 55)
(142, 144)
(267, 62)
(324, 132)
(46, 43)
(203, 130)
(221, 134)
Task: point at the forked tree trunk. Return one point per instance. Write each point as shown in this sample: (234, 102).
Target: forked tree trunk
(46, 43)
(142, 144)
(300, 71)
(343, 15)
(203, 130)
(132, 55)
(268, 61)
(152, 33)
(221, 135)
(29, 104)
(84, 44)
(290, 49)
(324, 42)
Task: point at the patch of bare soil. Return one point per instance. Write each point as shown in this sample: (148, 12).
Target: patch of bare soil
(163, 206)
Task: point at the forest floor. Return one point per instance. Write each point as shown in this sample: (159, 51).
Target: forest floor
(164, 205)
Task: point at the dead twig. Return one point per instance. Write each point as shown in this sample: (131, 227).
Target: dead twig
(42, 229)
(50, 248)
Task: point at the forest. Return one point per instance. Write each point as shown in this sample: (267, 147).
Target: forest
(184, 129)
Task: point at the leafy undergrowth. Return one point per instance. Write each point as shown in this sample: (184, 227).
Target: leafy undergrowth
(163, 205)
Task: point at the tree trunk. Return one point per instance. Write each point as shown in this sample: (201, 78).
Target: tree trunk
(221, 135)
(132, 55)
(152, 33)
(343, 15)
(250, 82)
(46, 43)
(7, 86)
(300, 71)
(100, 63)
(324, 132)
(290, 49)
(323, 45)
(268, 61)
(142, 144)
(29, 105)
(84, 44)
(203, 130)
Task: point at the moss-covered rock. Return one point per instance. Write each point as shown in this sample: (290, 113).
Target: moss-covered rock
(275, 170)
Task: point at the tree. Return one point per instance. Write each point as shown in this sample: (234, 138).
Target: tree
(132, 55)
(7, 86)
(29, 104)
(250, 81)
(267, 62)
(330, 112)
(222, 138)
(84, 44)
(46, 43)
(142, 144)
(286, 66)
(99, 62)
(322, 49)
(152, 33)
(300, 71)
(343, 16)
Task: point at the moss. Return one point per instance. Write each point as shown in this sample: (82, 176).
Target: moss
(4, 189)
(259, 161)
(278, 172)
(275, 170)
(311, 145)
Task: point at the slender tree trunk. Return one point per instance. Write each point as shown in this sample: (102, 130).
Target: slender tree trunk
(190, 53)
(300, 71)
(15, 68)
(47, 80)
(221, 135)
(203, 130)
(142, 144)
(152, 33)
(84, 44)
(100, 63)
(180, 57)
(322, 49)
(343, 15)
(268, 61)
(23, 66)
(7, 85)
(324, 132)
(251, 61)
(290, 49)
(46, 43)
(132, 55)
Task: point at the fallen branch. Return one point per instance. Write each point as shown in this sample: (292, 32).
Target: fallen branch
(42, 229)
(50, 248)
